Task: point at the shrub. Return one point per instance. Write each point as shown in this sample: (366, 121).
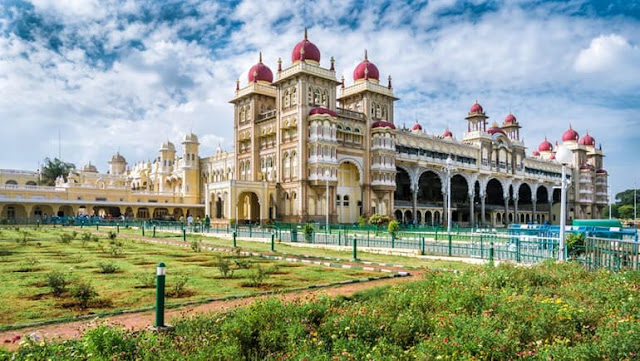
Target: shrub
(112, 235)
(83, 292)
(86, 237)
(146, 279)
(393, 227)
(575, 243)
(242, 263)
(105, 267)
(224, 266)
(379, 220)
(180, 285)
(65, 238)
(95, 238)
(362, 221)
(115, 248)
(57, 281)
(196, 245)
(28, 265)
(109, 343)
(257, 277)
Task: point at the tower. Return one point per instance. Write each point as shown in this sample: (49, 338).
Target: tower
(117, 164)
(164, 168)
(190, 168)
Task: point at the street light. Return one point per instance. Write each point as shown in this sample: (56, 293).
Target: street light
(327, 174)
(565, 157)
(449, 168)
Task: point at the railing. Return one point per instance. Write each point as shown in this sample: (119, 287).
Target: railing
(266, 115)
(350, 113)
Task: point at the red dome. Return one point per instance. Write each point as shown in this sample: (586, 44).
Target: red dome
(553, 157)
(601, 171)
(476, 108)
(260, 72)
(447, 134)
(510, 119)
(366, 70)
(305, 50)
(536, 153)
(383, 124)
(585, 167)
(570, 135)
(495, 129)
(323, 111)
(416, 127)
(545, 146)
(587, 140)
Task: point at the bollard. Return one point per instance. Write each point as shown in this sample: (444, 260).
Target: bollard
(481, 248)
(154, 231)
(273, 242)
(450, 246)
(184, 234)
(393, 240)
(491, 253)
(355, 249)
(142, 228)
(518, 250)
(422, 246)
(436, 234)
(234, 240)
(339, 234)
(117, 227)
(161, 271)
(97, 225)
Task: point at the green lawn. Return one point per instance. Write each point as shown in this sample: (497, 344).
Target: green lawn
(27, 256)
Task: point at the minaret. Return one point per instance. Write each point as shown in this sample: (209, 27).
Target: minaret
(476, 119)
(190, 168)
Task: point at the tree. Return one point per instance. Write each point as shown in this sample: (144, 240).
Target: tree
(626, 211)
(614, 211)
(625, 197)
(52, 169)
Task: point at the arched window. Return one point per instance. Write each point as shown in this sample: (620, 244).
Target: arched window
(286, 99)
(31, 183)
(242, 115)
(294, 96)
(294, 165)
(338, 200)
(345, 201)
(378, 112)
(11, 183)
(310, 95)
(316, 97)
(287, 166)
(325, 98)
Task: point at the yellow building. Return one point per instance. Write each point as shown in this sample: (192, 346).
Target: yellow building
(308, 146)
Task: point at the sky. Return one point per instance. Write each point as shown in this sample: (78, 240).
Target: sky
(88, 78)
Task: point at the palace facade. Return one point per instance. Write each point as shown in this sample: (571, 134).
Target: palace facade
(307, 144)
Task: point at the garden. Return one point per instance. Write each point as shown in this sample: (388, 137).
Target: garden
(65, 272)
(551, 311)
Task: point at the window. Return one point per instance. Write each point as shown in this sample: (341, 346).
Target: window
(316, 97)
(338, 200)
(325, 99)
(294, 96)
(345, 201)
(286, 99)
(310, 96)
(11, 183)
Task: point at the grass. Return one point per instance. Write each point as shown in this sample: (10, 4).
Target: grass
(28, 255)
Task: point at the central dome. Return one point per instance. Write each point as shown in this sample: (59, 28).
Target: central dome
(570, 135)
(476, 108)
(305, 50)
(366, 70)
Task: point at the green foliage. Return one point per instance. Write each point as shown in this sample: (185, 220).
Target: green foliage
(116, 248)
(57, 281)
(393, 227)
(224, 266)
(258, 276)
(83, 292)
(146, 279)
(575, 243)
(52, 169)
(108, 343)
(379, 220)
(362, 221)
(196, 245)
(28, 265)
(65, 238)
(179, 287)
(308, 229)
(112, 235)
(625, 211)
(107, 267)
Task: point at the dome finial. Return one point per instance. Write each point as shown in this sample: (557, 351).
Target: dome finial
(366, 57)
(333, 68)
(279, 65)
(260, 58)
(342, 82)
(389, 86)
(305, 33)
(237, 84)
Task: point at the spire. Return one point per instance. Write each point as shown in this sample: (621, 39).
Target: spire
(333, 68)
(237, 84)
(365, 55)
(305, 33)
(279, 65)
(342, 81)
(389, 86)
(260, 58)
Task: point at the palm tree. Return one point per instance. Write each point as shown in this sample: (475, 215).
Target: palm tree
(52, 169)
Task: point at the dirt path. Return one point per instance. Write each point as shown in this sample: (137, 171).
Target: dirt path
(139, 321)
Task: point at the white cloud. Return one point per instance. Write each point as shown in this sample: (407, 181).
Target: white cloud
(610, 56)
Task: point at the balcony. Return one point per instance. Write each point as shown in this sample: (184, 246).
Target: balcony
(350, 113)
(266, 115)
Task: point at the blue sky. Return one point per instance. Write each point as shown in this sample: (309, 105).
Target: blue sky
(128, 74)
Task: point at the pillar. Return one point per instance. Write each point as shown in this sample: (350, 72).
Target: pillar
(414, 193)
(471, 210)
(505, 219)
(207, 201)
(445, 214)
(516, 218)
(550, 217)
(533, 209)
(483, 217)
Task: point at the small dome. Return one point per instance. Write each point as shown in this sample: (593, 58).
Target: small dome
(510, 119)
(118, 158)
(545, 146)
(323, 111)
(447, 134)
(536, 153)
(495, 129)
(553, 157)
(190, 138)
(168, 146)
(587, 140)
(260, 72)
(585, 167)
(601, 171)
(570, 135)
(476, 108)
(383, 124)
(305, 50)
(417, 127)
(366, 70)
(90, 168)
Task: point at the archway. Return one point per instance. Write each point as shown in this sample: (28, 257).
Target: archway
(349, 190)
(160, 213)
(14, 211)
(65, 211)
(403, 186)
(495, 198)
(248, 208)
(418, 217)
(408, 216)
(430, 189)
(525, 202)
(542, 204)
(427, 218)
(143, 213)
(398, 214)
(459, 198)
(219, 207)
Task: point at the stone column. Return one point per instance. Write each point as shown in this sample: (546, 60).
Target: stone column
(550, 217)
(414, 193)
(445, 214)
(505, 219)
(533, 209)
(207, 201)
(483, 217)
(471, 210)
(516, 219)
